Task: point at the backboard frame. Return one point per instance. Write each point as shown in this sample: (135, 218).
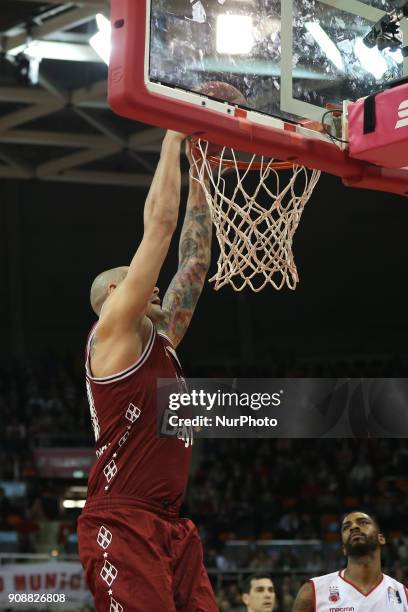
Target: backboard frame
(133, 95)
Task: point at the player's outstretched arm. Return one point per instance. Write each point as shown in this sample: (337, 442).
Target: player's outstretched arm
(129, 300)
(182, 295)
(305, 599)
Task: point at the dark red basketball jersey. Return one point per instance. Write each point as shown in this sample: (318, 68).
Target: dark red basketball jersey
(132, 459)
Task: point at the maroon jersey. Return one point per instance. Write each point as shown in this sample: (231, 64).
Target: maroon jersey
(132, 460)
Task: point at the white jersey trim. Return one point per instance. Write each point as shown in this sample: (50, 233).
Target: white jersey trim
(165, 336)
(314, 594)
(105, 380)
(341, 574)
(320, 582)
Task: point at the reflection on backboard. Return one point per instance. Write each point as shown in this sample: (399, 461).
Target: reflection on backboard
(290, 59)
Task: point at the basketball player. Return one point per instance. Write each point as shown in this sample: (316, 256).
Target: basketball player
(137, 553)
(361, 587)
(258, 593)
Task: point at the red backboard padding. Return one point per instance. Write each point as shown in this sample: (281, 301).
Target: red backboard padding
(129, 97)
(387, 143)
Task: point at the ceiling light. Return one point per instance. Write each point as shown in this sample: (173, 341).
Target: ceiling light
(234, 34)
(371, 59)
(396, 55)
(101, 42)
(73, 503)
(48, 49)
(325, 43)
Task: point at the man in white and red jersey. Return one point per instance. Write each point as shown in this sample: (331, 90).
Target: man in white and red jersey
(361, 587)
(137, 553)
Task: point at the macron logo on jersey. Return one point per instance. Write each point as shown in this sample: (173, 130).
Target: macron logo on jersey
(403, 115)
(346, 609)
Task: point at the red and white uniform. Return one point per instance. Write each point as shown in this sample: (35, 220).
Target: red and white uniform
(334, 593)
(137, 554)
(133, 460)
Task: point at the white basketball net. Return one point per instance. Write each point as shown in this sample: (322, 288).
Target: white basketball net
(255, 242)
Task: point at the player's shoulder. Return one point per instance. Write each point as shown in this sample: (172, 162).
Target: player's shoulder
(122, 374)
(306, 598)
(389, 580)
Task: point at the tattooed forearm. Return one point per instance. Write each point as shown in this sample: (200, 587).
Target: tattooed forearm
(195, 239)
(181, 299)
(194, 259)
(188, 248)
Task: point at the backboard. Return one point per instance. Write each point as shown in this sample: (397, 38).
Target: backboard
(291, 59)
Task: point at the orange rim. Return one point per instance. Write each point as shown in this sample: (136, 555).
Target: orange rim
(215, 160)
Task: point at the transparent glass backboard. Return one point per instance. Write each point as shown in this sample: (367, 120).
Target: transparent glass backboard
(289, 58)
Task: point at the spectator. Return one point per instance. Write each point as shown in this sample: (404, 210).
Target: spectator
(361, 475)
(258, 593)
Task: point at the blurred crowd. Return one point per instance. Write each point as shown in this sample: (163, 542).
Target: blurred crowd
(271, 491)
(44, 401)
(42, 397)
(296, 488)
(264, 491)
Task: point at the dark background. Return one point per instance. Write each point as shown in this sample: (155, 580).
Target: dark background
(350, 249)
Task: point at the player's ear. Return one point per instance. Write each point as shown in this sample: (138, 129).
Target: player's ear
(381, 539)
(111, 287)
(245, 598)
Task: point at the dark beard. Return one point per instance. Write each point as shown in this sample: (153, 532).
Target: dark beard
(361, 549)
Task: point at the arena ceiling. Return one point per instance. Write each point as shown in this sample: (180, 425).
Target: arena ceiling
(61, 129)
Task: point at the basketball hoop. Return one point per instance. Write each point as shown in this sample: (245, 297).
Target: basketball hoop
(255, 238)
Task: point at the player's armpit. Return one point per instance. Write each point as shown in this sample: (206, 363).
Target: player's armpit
(305, 601)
